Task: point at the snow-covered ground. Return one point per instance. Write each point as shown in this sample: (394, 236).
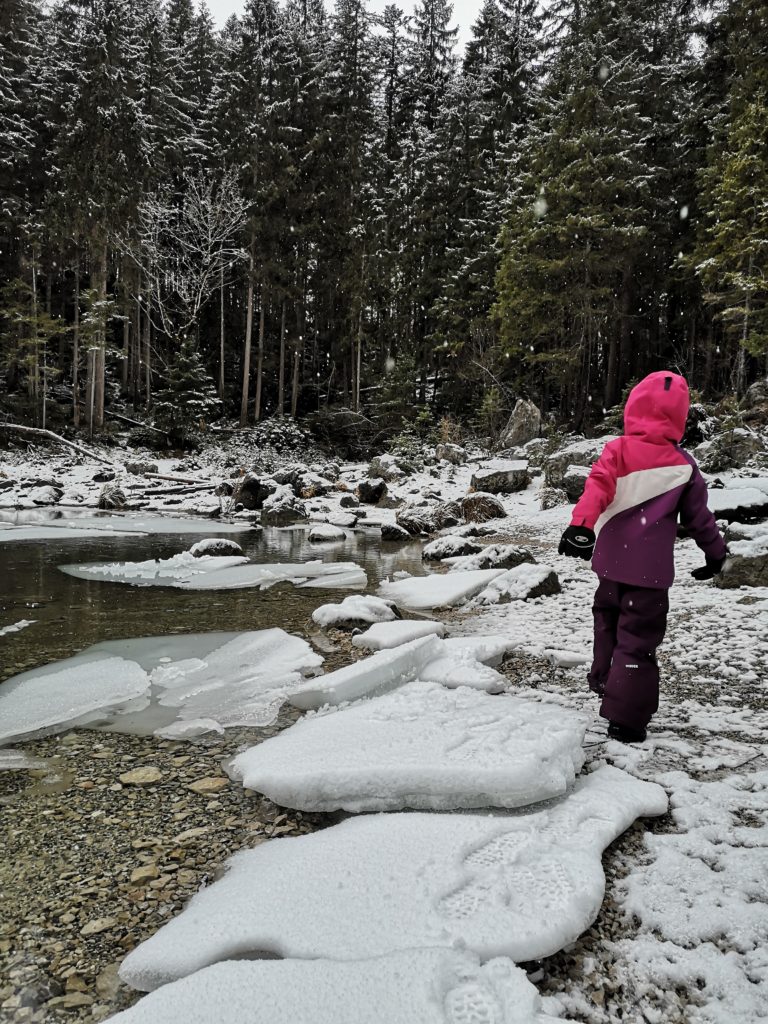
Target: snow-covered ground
(693, 899)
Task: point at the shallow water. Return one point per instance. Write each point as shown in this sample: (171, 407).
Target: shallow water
(74, 613)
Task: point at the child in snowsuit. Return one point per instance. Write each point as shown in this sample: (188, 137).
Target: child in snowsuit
(626, 522)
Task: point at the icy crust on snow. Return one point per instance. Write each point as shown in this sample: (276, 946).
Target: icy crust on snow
(186, 572)
(377, 672)
(440, 590)
(355, 608)
(422, 746)
(516, 884)
(462, 669)
(32, 704)
(384, 635)
(514, 584)
(186, 685)
(708, 934)
(418, 986)
(724, 498)
(76, 527)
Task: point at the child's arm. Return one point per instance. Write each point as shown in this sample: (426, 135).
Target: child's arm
(599, 491)
(697, 519)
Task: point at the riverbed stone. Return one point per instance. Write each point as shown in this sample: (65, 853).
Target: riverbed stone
(211, 784)
(98, 925)
(372, 490)
(501, 476)
(480, 507)
(575, 480)
(145, 776)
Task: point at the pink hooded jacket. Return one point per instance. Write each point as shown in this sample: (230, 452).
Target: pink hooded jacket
(640, 485)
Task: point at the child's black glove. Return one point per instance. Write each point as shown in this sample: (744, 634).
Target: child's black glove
(710, 570)
(577, 542)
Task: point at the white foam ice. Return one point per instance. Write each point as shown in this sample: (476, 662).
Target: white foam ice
(380, 671)
(355, 608)
(33, 703)
(185, 572)
(516, 884)
(423, 746)
(419, 986)
(187, 684)
(384, 635)
(439, 590)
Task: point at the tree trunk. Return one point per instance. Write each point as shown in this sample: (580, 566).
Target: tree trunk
(612, 374)
(148, 345)
(100, 360)
(281, 369)
(260, 356)
(35, 341)
(295, 382)
(248, 336)
(221, 335)
(76, 346)
(626, 335)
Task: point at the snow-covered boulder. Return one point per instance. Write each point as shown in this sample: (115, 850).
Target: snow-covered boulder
(112, 497)
(438, 590)
(481, 507)
(141, 468)
(579, 452)
(521, 584)
(452, 453)
(523, 425)
(552, 497)
(383, 636)
(215, 546)
(522, 885)
(495, 556)
(252, 490)
(747, 564)
(393, 532)
(730, 449)
(349, 501)
(371, 491)
(283, 508)
(397, 989)
(575, 480)
(501, 476)
(741, 502)
(46, 495)
(388, 467)
(355, 610)
(450, 546)
(428, 516)
(323, 533)
(422, 746)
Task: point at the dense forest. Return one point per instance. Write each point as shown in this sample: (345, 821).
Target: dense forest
(318, 208)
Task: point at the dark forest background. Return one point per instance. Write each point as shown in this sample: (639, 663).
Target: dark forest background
(316, 208)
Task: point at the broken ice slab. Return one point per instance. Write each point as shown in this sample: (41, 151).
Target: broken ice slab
(517, 884)
(437, 590)
(419, 986)
(377, 672)
(227, 678)
(422, 746)
(185, 572)
(384, 635)
(353, 609)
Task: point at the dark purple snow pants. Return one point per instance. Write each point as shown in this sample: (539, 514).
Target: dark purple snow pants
(630, 623)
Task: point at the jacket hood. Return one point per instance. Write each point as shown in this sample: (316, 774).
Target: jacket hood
(657, 407)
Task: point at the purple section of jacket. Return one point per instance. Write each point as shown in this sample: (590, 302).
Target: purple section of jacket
(636, 547)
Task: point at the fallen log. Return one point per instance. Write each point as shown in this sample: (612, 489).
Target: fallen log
(176, 479)
(39, 432)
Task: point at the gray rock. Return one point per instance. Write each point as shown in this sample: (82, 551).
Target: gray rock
(579, 452)
(449, 514)
(103, 476)
(500, 556)
(747, 565)
(393, 532)
(46, 495)
(450, 546)
(552, 497)
(729, 449)
(418, 519)
(141, 468)
(283, 508)
(370, 492)
(480, 507)
(574, 481)
(251, 491)
(349, 501)
(524, 424)
(452, 453)
(499, 476)
(388, 467)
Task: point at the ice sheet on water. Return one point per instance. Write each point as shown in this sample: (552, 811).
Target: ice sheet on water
(209, 572)
(421, 986)
(225, 678)
(16, 627)
(19, 760)
(77, 526)
(380, 671)
(439, 590)
(423, 746)
(384, 635)
(33, 703)
(355, 608)
(517, 884)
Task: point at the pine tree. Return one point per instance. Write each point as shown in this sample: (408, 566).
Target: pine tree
(188, 402)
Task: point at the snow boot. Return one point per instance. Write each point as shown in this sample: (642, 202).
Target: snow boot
(624, 734)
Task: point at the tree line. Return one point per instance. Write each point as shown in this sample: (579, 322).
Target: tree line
(313, 207)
